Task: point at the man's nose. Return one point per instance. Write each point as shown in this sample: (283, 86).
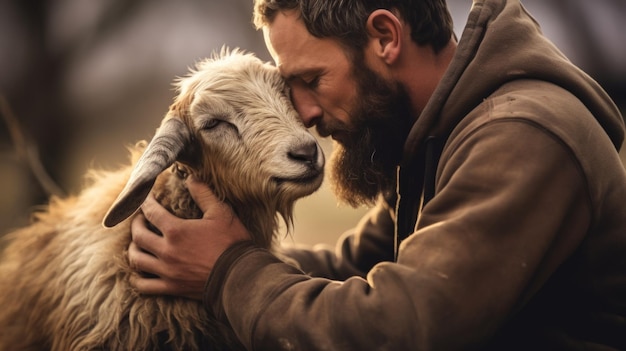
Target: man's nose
(305, 103)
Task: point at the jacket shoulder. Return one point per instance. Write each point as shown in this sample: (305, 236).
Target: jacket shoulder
(546, 105)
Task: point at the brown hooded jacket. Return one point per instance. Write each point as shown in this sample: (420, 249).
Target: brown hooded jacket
(519, 244)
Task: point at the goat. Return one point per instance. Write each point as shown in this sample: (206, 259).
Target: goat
(64, 279)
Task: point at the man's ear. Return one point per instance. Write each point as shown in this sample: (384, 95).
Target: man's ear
(385, 33)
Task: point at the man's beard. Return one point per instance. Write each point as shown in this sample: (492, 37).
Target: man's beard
(363, 164)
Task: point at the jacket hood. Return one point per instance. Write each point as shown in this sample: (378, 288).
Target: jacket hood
(500, 43)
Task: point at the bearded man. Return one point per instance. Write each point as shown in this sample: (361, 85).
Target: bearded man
(491, 164)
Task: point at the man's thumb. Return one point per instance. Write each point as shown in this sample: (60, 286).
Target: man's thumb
(201, 194)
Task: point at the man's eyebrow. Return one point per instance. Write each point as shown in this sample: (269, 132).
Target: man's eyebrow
(290, 77)
(293, 76)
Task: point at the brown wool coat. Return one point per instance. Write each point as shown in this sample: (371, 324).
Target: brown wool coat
(522, 246)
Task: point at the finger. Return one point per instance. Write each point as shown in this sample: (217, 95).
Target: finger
(204, 197)
(144, 238)
(149, 286)
(142, 261)
(157, 215)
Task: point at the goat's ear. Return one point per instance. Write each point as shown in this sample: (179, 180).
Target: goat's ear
(168, 143)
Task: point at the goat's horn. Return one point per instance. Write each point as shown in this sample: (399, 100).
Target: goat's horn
(162, 151)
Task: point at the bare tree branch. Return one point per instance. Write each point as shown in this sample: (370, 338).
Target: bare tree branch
(27, 151)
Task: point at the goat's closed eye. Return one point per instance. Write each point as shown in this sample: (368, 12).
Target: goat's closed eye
(218, 126)
(210, 123)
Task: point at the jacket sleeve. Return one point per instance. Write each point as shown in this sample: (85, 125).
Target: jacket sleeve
(502, 221)
(357, 251)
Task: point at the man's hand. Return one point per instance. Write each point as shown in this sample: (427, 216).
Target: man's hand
(183, 257)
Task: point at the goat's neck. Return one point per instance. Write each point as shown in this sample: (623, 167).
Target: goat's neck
(260, 219)
(171, 192)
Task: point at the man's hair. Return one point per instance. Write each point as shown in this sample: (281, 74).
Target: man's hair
(345, 20)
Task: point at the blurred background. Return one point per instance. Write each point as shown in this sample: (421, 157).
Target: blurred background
(85, 78)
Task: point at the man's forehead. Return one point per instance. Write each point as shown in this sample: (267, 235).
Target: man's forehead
(268, 44)
(288, 42)
(295, 51)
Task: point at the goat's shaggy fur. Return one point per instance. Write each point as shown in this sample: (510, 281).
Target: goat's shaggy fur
(64, 278)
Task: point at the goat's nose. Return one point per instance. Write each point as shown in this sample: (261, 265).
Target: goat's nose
(304, 152)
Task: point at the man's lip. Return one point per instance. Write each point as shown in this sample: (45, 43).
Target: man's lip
(323, 132)
(339, 137)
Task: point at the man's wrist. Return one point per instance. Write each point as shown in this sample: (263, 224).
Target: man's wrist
(212, 294)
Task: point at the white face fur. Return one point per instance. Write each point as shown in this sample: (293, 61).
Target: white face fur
(253, 146)
(241, 111)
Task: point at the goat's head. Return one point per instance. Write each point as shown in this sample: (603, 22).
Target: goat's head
(233, 126)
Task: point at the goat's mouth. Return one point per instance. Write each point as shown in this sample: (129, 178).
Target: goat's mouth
(310, 178)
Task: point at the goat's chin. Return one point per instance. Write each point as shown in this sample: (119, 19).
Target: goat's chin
(300, 186)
